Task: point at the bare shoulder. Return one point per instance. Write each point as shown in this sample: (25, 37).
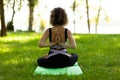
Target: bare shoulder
(46, 31)
(69, 32)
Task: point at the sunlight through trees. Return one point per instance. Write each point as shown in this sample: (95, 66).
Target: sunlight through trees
(28, 15)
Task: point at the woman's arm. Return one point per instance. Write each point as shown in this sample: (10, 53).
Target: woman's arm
(72, 43)
(42, 42)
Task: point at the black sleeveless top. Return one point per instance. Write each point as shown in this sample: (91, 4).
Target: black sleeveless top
(50, 34)
(57, 48)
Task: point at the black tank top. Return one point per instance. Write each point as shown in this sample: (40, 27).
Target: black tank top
(57, 48)
(50, 34)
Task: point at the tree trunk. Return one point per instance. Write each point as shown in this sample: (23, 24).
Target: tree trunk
(31, 10)
(3, 28)
(13, 8)
(88, 21)
(97, 19)
(10, 26)
(74, 6)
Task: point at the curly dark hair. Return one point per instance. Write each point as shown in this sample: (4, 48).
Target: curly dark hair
(58, 17)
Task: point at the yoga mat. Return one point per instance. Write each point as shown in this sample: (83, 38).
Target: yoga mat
(72, 70)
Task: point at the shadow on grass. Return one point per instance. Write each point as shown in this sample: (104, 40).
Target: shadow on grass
(18, 58)
(98, 57)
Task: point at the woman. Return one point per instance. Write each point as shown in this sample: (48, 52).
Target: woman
(58, 35)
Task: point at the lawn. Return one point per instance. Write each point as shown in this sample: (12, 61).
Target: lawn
(99, 57)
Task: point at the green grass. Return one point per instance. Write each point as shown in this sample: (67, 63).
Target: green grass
(99, 57)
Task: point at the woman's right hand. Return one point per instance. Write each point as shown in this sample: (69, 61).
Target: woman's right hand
(57, 40)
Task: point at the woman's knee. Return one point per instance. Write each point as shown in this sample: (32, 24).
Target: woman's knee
(75, 56)
(41, 61)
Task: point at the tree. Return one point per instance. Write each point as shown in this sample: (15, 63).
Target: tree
(12, 4)
(73, 7)
(31, 5)
(10, 25)
(3, 28)
(97, 19)
(88, 20)
(98, 10)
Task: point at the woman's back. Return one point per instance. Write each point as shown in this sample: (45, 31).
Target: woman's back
(58, 34)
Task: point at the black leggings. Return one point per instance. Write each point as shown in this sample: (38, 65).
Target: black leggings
(58, 61)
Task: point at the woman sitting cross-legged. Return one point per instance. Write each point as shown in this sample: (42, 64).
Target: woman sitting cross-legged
(60, 38)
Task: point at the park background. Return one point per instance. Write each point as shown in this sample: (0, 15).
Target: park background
(108, 21)
(99, 52)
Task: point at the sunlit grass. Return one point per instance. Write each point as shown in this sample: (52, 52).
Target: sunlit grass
(20, 36)
(98, 57)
